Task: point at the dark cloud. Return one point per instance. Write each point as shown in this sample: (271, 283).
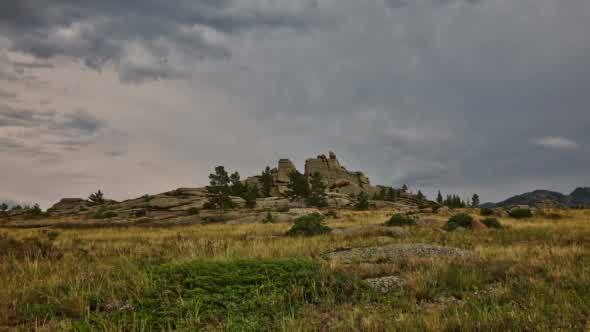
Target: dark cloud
(101, 31)
(82, 121)
(19, 117)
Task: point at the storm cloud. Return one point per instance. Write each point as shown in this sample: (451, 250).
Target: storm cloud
(486, 96)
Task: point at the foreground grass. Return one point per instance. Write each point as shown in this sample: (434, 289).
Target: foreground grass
(533, 275)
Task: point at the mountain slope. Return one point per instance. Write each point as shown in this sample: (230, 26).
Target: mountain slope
(547, 198)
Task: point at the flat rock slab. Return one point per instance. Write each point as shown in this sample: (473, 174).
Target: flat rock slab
(392, 253)
(385, 284)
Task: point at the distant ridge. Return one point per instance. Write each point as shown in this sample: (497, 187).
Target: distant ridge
(580, 197)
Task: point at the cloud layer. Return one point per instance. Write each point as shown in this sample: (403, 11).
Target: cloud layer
(485, 96)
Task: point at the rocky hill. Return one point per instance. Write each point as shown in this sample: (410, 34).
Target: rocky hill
(188, 205)
(550, 199)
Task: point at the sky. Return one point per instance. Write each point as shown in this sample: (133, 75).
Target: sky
(135, 97)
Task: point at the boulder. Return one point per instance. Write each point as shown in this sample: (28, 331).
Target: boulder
(477, 225)
(272, 203)
(444, 210)
(68, 206)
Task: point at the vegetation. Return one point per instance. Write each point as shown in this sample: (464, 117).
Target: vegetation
(492, 223)
(520, 213)
(420, 195)
(250, 195)
(463, 220)
(96, 198)
(298, 187)
(266, 182)
(317, 194)
(362, 201)
(475, 200)
(386, 194)
(104, 214)
(399, 219)
(193, 211)
(454, 202)
(439, 198)
(268, 219)
(219, 190)
(311, 224)
(486, 212)
(534, 275)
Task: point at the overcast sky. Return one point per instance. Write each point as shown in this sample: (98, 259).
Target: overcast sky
(143, 96)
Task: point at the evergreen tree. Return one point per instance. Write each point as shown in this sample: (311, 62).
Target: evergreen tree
(297, 187)
(362, 202)
(250, 195)
(420, 196)
(405, 188)
(3, 207)
(218, 191)
(475, 200)
(439, 198)
(317, 194)
(391, 194)
(236, 188)
(266, 182)
(96, 198)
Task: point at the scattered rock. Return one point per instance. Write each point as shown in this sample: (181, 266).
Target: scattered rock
(386, 284)
(444, 211)
(477, 225)
(396, 252)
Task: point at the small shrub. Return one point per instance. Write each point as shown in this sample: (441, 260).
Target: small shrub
(486, 212)
(520, 213)
(283, 209)
(459, 220)
(362, 202)
(268, 219)
(311, 224)
(492, 223)
(399, 219)
(331, 214)
(102, 214)
(140, 213)
(554, 216)
(208, 206)
(193, 211)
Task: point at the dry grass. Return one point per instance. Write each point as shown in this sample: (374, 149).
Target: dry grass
(532, 275)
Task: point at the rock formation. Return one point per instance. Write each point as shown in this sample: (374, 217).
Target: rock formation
(336, 177)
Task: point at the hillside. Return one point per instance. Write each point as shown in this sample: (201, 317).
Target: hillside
(546, 198)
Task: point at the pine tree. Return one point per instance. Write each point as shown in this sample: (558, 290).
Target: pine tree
(405, 188)
(297, 187)
(3, 207)
(391, 195)
(362, 202)
(96, 198)
(420, 195)
(218, 191)
(236, 188)
(475, 200)
(250, 195)
(266, 182)
(317, 194)
(439, 198)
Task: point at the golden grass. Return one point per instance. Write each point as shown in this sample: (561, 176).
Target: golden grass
(550, 258)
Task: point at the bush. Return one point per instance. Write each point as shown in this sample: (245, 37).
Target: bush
(208, 206)
(331, 214)
(492, 223)
(520, 213)
(140, 213)
(486, 212)
(268, 219)
(311, 224)
(362, 202)
(399, 219)
(459, 220)
(102, 214)
(193, 211)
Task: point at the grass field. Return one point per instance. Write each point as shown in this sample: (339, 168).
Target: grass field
(533, 275)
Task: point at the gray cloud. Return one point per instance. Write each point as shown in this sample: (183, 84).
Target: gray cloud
(99, 32)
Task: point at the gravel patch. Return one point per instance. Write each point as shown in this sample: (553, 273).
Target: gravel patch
(395, 252)
(385, 284)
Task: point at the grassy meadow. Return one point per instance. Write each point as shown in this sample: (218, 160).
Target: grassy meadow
(532, 275)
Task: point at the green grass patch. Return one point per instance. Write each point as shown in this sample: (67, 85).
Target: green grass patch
(237, 295)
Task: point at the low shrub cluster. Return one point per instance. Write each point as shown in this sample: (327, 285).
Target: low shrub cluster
(486, 212)
(311, 224)
(463, 220)
(104, 214)
(399, 219)
(492, 223)
(31, 248)
(520, 213)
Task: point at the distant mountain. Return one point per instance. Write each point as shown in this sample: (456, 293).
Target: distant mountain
(547, 198)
